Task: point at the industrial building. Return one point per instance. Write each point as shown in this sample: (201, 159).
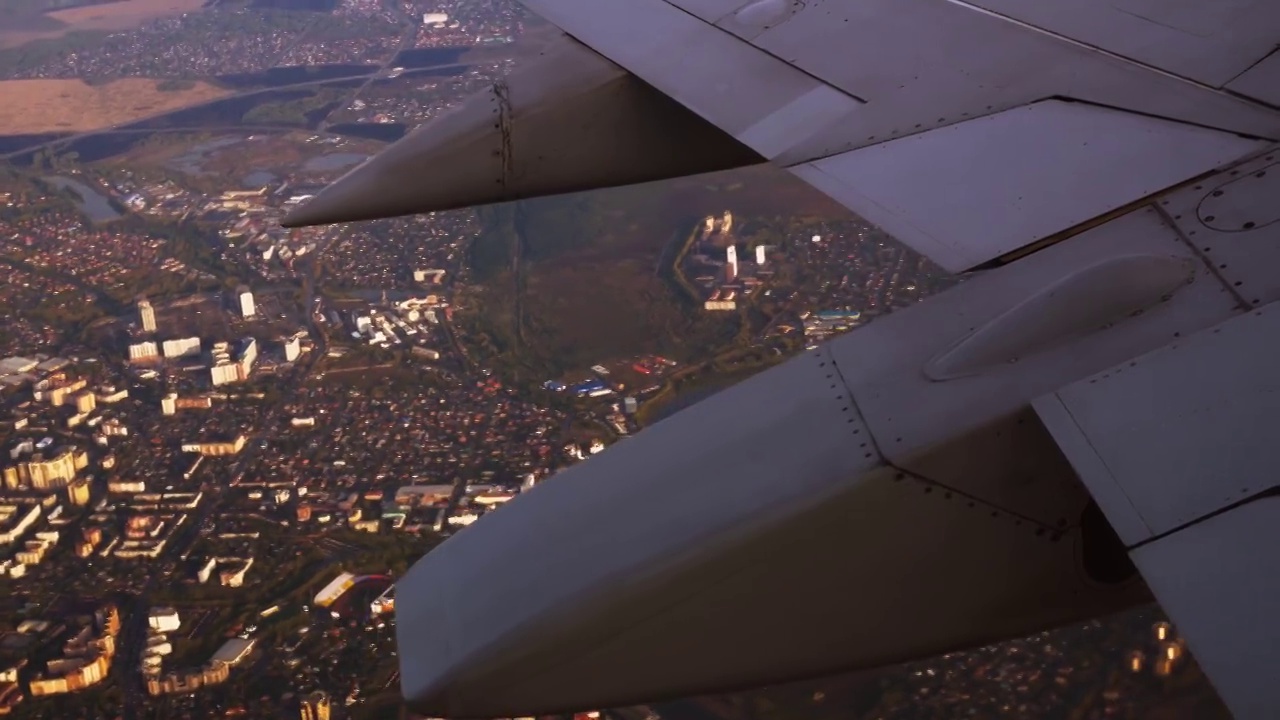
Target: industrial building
(330, 593)
(233, 651)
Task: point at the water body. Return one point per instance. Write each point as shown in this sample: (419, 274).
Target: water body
(333, 161)
(689, 399)
(428, 57)
(93, 203)
(386, 132)
(14, 143)
(259, 178)
(100, 147)
(294, 74)
(317, 116)
(192, 161)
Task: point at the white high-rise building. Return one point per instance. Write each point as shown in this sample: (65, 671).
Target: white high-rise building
(164, 619)
(246, 301)
(143, 350)
(731, 263)
(292, 348)
(248, 355)
(760, 255)
(169, 404)
(223, 373)
(147, 315)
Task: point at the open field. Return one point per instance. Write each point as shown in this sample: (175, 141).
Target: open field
(41, 106)
(109, 17)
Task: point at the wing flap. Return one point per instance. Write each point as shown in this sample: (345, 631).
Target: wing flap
(1208, 42)
(920, 64)
(970, 192)
(1178, 448)
(1218, 582)
(1262, 81)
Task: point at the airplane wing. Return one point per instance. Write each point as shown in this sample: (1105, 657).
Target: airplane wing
(1086, 422)
(926, 117)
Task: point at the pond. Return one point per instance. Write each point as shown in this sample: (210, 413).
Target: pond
(192, 161)
(333, 161)
(94, 204)
(259, 178)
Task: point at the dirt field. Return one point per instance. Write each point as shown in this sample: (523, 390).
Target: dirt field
(109, 18)
(41, 106)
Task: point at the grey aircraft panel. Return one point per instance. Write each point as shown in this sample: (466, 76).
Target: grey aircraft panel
(1234, 219)
(1179, 448)
(888, 363)
(1209, 42)
(938, 191)
(1261, 82)
(1189, 429)
(1219, 581)
(917, 64)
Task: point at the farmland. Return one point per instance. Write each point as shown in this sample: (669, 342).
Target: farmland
(71, 105)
